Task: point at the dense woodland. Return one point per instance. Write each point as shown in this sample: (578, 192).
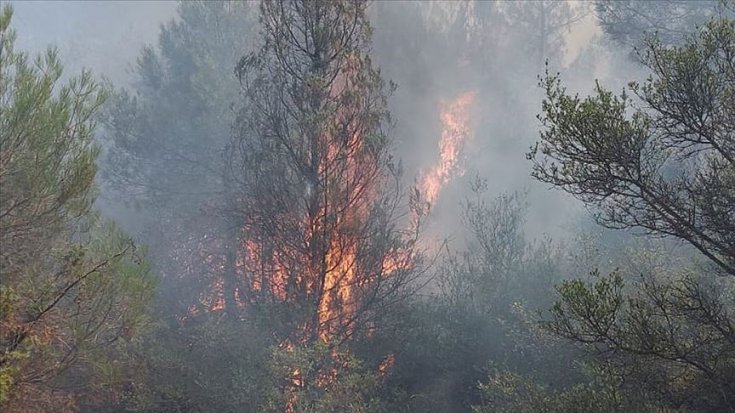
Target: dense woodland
(284, 245)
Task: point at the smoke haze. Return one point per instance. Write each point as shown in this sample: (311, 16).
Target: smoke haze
(251, 154)
(107, 37)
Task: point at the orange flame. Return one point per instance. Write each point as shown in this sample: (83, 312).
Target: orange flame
(321, 259)
(385, 366)
(455, 117)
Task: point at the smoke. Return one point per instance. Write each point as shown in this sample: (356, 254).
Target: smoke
(467, 85)
(105, 37)
(437, 51)
(434, 51)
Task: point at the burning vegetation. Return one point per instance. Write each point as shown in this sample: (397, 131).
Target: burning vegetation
(321, 239)
(290, 257)
(456, 131)
(324, 236)
(319, 220)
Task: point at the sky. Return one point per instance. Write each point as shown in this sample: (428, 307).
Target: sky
(107, 36)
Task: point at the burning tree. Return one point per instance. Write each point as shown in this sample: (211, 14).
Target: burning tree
(327, 241)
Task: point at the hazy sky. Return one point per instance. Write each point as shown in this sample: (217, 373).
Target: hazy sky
(105, 36)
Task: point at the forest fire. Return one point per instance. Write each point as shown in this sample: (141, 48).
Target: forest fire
(455, 117)
(317, 264)
(278, 268)
(319, 254)
(252, 219)
(337, 304)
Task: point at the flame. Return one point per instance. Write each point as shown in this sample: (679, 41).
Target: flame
(316, 257)
(337, 301)
(455, 117)
(270, 270)
(386, 365)
(287, 272)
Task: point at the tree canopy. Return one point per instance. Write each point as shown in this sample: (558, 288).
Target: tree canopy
(74, 290)
(660, 159)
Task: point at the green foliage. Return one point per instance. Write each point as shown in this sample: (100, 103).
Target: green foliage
(661, 328)
(597, 305)
(666, 168)
(599, 392)
(75, 290)
(316, 379)
(660, 160)
(46, 143)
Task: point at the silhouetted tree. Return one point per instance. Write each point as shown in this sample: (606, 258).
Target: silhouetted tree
(628, 21)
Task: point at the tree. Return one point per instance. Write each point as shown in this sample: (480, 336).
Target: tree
(357, 389)
(543, 25)
(668, 169)
(166, 141)
(494, 254)
(316, 188)
(328, 243)
(510, 392)
(74, 290)
(481, 315)
(628, 21)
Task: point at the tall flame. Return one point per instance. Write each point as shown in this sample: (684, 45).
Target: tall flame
(455, 117)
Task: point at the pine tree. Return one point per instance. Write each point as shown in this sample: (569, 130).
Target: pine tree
(74, 289)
